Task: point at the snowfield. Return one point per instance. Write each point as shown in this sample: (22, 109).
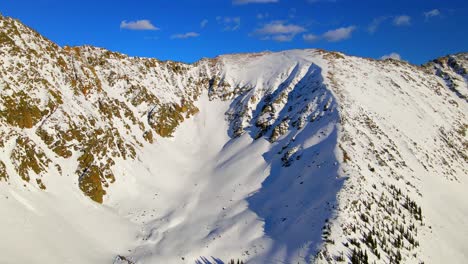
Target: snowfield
(301, 156)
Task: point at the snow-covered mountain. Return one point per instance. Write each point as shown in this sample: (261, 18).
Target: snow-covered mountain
(301, 156)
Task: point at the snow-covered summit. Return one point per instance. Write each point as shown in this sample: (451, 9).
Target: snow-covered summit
(288, 157)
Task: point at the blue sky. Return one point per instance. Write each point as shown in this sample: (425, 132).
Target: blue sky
(183, 30)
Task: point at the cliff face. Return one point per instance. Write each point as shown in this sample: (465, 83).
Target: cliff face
(296, 156)
(85, 104)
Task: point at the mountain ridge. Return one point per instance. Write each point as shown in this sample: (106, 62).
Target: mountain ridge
(217, 142)
(225, 54)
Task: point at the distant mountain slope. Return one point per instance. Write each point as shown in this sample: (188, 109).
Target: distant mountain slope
(292, 157)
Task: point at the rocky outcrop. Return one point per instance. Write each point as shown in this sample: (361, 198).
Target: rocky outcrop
(87, 104)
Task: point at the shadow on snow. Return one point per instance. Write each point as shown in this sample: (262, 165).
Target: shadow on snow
(297, 199)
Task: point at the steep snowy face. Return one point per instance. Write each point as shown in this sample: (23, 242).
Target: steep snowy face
(403, 141)
(291, 157)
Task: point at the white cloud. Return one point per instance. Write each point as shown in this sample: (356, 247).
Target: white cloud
(229, 23)
(392, 55)
(278, 31)
(432, 13)
(402, 20)
(310, 37)
(138, 25)
(244, 2)
(375, 24)
(339, 34)
(185, 35)
(279, 27)
(203, 23)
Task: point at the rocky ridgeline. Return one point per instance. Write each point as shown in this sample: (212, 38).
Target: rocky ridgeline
(84, 104)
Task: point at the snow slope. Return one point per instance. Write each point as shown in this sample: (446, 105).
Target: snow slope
(301, 156)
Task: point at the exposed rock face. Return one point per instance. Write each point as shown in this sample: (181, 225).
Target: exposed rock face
(372, 132)
(3, 174)
(86, 104)
(454, 70)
